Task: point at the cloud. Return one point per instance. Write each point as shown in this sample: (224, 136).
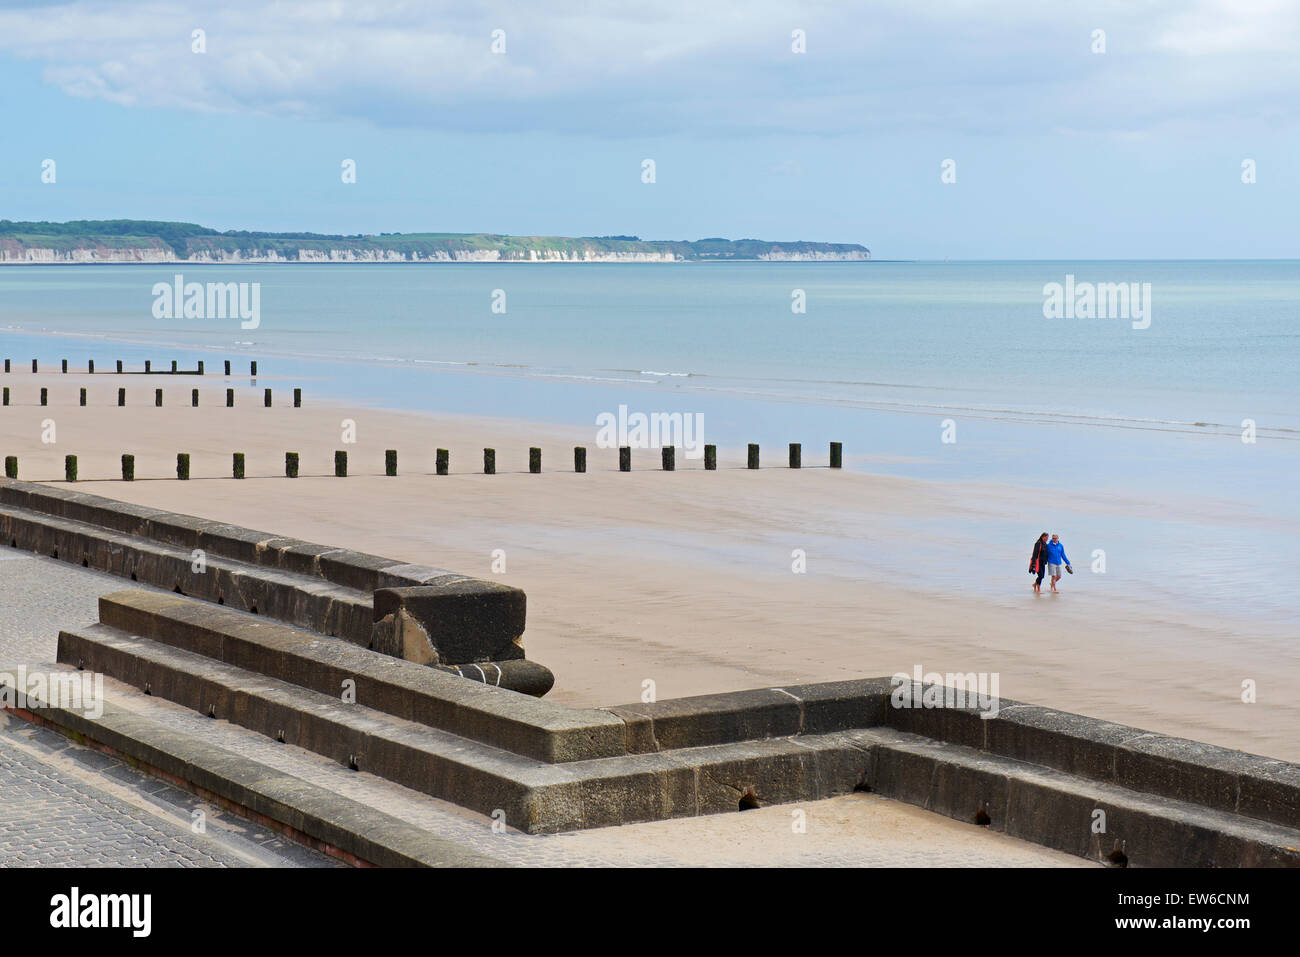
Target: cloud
(719, 68)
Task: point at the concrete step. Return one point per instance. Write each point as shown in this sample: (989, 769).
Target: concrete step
(528, 794)
(472, 709)
(425, 759)
(300, 599)
(1058, 809)
(415, 612)
(1069, 812)
(305, 811)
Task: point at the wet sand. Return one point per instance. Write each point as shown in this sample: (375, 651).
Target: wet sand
(685, 578)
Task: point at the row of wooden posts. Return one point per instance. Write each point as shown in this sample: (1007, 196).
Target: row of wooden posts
(443, 461)
(148, 367)
(158, 397)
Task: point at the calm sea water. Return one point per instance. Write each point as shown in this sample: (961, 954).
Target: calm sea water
(883, 355)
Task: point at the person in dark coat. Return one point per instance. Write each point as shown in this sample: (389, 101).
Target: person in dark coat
(1038, 562)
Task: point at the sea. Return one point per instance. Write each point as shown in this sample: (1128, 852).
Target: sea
(1188, 417)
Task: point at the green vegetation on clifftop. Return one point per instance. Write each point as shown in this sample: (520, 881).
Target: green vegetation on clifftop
(141, 240)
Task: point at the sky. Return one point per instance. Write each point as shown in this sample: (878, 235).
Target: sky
(1105, 130)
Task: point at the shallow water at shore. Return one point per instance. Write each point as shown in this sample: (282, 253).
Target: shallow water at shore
(1125, 441)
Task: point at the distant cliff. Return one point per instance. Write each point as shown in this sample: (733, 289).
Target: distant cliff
(136, 241)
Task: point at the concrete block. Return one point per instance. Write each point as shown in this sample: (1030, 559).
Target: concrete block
(1182, 769)
(455, 623)
(712, 719)
(1057, 739)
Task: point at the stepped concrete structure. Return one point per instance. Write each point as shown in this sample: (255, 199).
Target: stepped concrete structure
(351, 658)
(427, 615)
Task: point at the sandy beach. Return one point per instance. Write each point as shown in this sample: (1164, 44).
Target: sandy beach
(683, 578)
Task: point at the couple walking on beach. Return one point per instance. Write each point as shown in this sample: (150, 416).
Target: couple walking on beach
(1048, 557)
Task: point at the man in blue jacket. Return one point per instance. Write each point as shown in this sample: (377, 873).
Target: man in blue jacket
(1055, 559)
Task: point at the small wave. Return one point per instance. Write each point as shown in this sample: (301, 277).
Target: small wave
(584, 378)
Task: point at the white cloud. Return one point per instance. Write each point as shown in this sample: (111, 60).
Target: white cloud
(724, 66)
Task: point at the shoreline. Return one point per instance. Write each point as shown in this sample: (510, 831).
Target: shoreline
(1025, 416)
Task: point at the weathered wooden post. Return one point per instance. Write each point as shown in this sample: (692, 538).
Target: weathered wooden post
(291, 464)
(237, 465)
(752, 463)
(266, 399)
(711, 458)
(489, 461)
(183, 466)
(173, 367)
(442, 461)
(669, 456)
(119, 366)
(230, 398)
(121, 397)
(45, 396)
(837, 455)
(11, 466)
(579, 459)
(83, 395)
(252, 367)
(6, 365)
(65, 366)
(70, 467)
(625, 458)
(297, 398)
(390, 462)
(535, 460)
(200, 367)
(33, 365)
(148, 365)
(227, 367)
(6, 395)
(340, 464)
(796, 455)
(128, 468)
(157, 398)
(90, 366)
(194, 398)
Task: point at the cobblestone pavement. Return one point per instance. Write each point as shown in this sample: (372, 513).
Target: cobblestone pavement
(64, 804)
(40, 596)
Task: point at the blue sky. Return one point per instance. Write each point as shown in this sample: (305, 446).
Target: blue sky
(1061, 152)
